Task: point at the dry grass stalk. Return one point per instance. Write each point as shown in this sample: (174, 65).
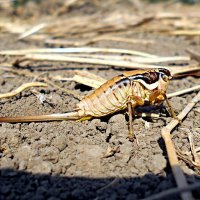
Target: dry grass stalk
(42, 54)
(85, 42)
(76, 50)
(32, 31)
(66, 42)
(185, 91)
(21, 88)
(114, 22)
(185, 32)
(175, 15)
(137, 59)
(38, 76)
(195, 55)
(121, 39)
(184, 69)
(90, 75)
(184, 155)
(81, 79)
(171, 152)
(61, 58)
(187, 160)
(121, 64)
(193, 150)
(10, 68)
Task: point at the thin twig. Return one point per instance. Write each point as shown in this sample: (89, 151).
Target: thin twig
(121, 64)
(195, 55)
(81, 79)
(32, 31)
(137, 59)
(76, 50)
(21, 88)
(121, 39)
(190, 162)
(18, 72)
(193, 150)
(90, 75)
(38, 76)
(173, 160)
(96, 39)
(95, 61)
(118, 63)
(185, 32)
(181, 92)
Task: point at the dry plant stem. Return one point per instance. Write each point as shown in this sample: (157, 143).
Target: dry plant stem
(187, 160)
(90, 41)
(121, 39)
(84, 77)
(185, 69)
(173, 191)
(195, 55)
(185, 32)
(81, 79)
(29, 74)
(52, 57)
(193, 150)
(32, 31)
(173, 160)
(121, 64)
(18, 72)
(21, 88)
(90, 75)
(76, 50)
(188, 90)
(171, 15)
(137, 59)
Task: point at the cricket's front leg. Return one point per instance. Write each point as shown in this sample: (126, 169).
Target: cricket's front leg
(158, 97)
(171, 110)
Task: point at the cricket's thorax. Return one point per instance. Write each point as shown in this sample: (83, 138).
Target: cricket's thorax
(113, 96)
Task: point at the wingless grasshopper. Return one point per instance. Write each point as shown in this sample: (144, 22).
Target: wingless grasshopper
(126, 91)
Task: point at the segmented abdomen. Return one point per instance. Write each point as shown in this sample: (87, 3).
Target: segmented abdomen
(110, 97)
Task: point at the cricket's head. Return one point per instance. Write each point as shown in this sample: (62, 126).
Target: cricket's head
(164, 78)
(154, 79)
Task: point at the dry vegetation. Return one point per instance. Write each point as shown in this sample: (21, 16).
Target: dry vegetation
(104, 38)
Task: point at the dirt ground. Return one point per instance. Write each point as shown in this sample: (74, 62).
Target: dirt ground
(66, 160)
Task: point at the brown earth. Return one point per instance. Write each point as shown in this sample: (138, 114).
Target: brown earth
(65, 160)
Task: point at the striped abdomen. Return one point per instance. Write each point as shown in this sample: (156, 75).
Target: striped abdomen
(110, 97)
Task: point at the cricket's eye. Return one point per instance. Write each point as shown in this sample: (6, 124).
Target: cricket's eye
(165, 78)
